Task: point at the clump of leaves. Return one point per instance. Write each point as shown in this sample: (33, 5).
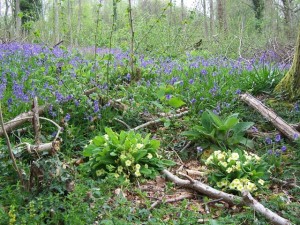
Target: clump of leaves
(237, 170)
(126, 154)
(228, 132)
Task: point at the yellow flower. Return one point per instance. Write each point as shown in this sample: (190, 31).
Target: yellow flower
(235, 156)
(137, 173)
(106, 137)
(240, 187)
(120, 169)
(139, 146)
(138, 166)
(221, 156)
(224, 164)
(261, 182)
(127, 162)
(149, 156)
(100, 172)
(229, 170)
(250, 187)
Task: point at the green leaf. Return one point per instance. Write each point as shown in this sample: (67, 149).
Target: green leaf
(215, 118)
(175, 102)
(139, 154)
(230, 122)
(242, 127)
(166, 162)
(206, 121)
(99, 140)
(155, 143)
(247, 142)
(88, 151)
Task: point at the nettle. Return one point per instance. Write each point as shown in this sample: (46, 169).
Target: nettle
(126, 154)
(227, 133)
(238, 170)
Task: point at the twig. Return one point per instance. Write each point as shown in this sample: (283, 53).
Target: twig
(175, 199)
(36, 121)
(160, 120)
(122, 122)
(186, 146)
(57, 44)
(10, 148)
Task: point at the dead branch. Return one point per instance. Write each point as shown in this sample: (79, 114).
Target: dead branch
(271, 116)
(36, 121)
(51, 147)
(229, 198)
(20, 119)
(152, 122)
(285, 183)
(170, 200)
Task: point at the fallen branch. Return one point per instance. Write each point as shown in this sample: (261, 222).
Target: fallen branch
(36, 121)
(285, 183)
(229, 198)
(20, 119)
(271, 116)
(160, 120)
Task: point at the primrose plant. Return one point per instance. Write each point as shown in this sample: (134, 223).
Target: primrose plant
(236, 171)
(126, 154)
(227, 133)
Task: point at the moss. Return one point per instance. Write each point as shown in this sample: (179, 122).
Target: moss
(290, 83)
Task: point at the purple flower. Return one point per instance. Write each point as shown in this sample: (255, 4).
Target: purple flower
(168, 96)
(270, 151)
(268, 140)
(67, 117)
(96, 106)
(277, 138)
(254, 129)
(193, 101)
(296, 136)
(283, 148)
(191, 81)
(204, 72)
(238, 91)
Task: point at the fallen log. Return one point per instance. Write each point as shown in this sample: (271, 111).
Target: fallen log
(246, 200)
(271, 116)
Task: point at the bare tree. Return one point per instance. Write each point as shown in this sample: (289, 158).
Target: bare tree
(211, 15)
(56, 20)
(287, 12)
(18, 19)
(222, 15)
(205, 18)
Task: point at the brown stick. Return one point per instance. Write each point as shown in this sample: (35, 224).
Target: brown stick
(36, 121)
(20, 119)
(271, 116)
(229, 198)
(175, 199)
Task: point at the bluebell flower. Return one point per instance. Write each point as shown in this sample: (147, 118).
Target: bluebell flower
(277, 138)
(168, 96)
(270, 151)
(268, 140)
(199, 149)
(67, 117)
(283, 148)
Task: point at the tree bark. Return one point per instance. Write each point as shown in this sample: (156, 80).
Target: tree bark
(222, 15)
(287, 12)
(18, 19)
(212, 15)
(205, 18)
(289, 86)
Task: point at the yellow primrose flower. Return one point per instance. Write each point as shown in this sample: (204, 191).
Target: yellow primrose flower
(122, 156)
(261, 182)
(229, 170)
(224, 164)
(219, 184)
(149, 156)
(235, 156)
(221, 156)
(120, 169)
(138, 166)
(251, 187)
(137, 173)
(127, 162)
(106, 137)
(240, 187)
(100, 172)
(139, 146)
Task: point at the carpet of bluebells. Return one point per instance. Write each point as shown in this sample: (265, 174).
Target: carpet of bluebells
(58, 76)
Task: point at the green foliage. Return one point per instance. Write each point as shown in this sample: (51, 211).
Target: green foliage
(237, 170)
(228, 132)
(127, 154)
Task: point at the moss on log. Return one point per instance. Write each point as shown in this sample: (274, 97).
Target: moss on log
(290, 83)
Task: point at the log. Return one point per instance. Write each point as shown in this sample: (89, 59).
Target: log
(246, 200)
(271, 116)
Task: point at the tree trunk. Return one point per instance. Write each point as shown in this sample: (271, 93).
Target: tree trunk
(290, 83)
(18, 19)
(205, 18)
(258, 6)
(221, 15)
(287, 16)
(56, 21)
(182, 10)
(212, 15)
(115, 15)
(78, 22)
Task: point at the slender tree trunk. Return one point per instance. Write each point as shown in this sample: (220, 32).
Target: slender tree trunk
(78, 22)
(182, 10)
(131, 61)
(290, 83)
(205, 18)
(211, 17)
(221, 15)
(70, 13)
(56, 20)
(287, 12)
(258, 6)
(18, 19)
